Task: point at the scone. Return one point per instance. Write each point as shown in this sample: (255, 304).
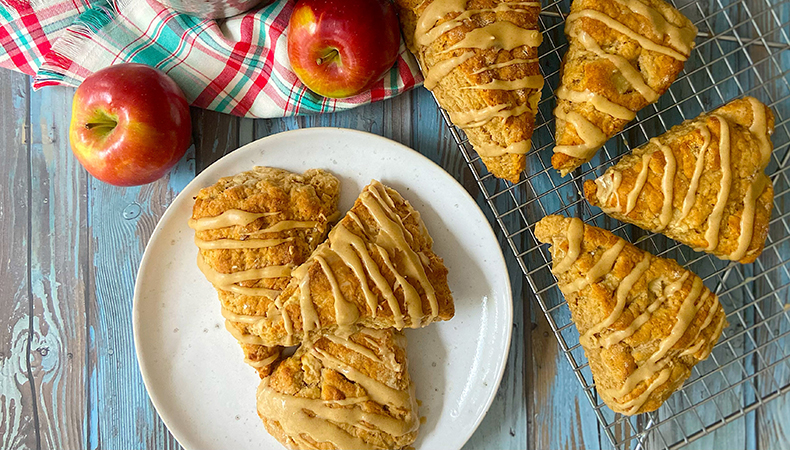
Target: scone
(480, 59)
(376, 270)
(623, 55)
(701, 183)
(337, 393)
(644, 321)
(252, 229)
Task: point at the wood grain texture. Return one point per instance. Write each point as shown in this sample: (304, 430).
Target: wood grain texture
(562, 418)
(121, 221)
(771, 421)
(214, 135)
(71, 246)
(18, 417)
(58, 253)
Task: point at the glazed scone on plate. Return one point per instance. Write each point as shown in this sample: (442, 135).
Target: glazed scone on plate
(623, 55)
(377, 269)
(644, 321)
(252, 229)
(336, 393)
(701, 183)
(480, 59)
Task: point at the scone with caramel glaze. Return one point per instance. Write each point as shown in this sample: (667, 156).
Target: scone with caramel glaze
(701, 183)
(644, 321)
(342, 393)
(252, 229)
(480, 59)
(623, 55)
(377, 269)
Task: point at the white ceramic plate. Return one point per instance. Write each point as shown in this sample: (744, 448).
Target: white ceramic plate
(193, 368)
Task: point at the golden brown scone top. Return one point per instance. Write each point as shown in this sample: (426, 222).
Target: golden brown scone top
(623, 55)
(336, 393)
(312, 196)
(285, 196)
(676, 181)
(494, 119)
(377, 270)
(644, 321)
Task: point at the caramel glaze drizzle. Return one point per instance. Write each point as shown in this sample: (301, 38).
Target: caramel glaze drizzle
(501, 35)
(609, 183)
(229, 218)
(714, 220)
(655, 364)
(236, 217)
(231, 281)
(355, 253)
(681, 41)
(318, 419)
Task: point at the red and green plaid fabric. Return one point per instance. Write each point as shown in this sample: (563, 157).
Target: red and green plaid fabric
(28, 29)
(237, 66)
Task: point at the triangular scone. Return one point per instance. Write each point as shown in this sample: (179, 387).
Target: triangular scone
(480, 59)
(376, 270)
(644, 321)
(623, 55)
(701, 183)
(336, 393)
(252, 229)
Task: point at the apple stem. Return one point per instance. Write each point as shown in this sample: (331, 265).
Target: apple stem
(103, 124)
(329, 56)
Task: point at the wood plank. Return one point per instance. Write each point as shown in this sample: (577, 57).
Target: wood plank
(18, 415)
(58, 257)
(120, 223)
(214, 135)
(773, 427)
(246, 131)
(266, 127)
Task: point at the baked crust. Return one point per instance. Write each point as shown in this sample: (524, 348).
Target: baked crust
(585, 69)
(455, 91)
(633, 373)
(328, 294)
(688, 142)
(312, 196)
(306, 376)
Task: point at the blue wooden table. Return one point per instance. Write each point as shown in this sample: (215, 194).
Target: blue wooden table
(69, 253)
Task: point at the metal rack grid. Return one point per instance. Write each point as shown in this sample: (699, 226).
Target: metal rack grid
(742, 49)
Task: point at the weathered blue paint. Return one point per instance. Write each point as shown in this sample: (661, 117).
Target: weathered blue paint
(81, 278)
(18, 420)
(57, 256)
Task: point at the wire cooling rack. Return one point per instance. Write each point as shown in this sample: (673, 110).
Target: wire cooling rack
(742, 49)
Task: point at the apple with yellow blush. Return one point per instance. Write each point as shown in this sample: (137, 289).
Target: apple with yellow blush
(130, 124)
(339, 48)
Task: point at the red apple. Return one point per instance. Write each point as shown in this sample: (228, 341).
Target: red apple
(339, 48)
(129, 124)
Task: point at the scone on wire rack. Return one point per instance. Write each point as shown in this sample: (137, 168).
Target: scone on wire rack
(480, 60)
(252, 229)
(377, 269)
(342, 393)
(644, 321)
(623, 55)
(701, 183)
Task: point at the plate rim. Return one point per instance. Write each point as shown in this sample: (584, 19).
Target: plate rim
(508, 290)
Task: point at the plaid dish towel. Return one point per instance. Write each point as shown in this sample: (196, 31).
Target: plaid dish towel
(237, 65)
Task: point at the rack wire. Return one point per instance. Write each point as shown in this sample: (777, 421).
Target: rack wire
(743, 48)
